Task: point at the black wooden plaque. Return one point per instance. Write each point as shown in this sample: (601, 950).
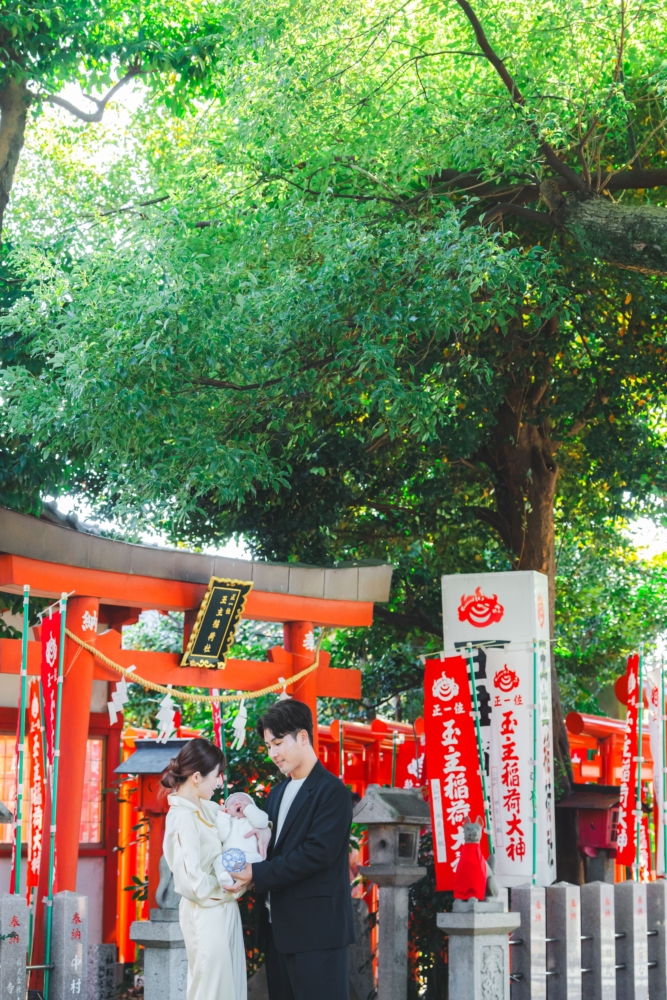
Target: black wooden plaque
(215, 628)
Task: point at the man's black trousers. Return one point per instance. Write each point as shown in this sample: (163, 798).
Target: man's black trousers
(307, 975)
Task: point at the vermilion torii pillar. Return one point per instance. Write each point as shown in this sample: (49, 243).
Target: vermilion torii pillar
(300, 642)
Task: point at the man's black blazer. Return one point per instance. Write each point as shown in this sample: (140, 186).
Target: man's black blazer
(307, 871)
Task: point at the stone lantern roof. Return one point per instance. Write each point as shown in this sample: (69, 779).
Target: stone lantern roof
(392, 805)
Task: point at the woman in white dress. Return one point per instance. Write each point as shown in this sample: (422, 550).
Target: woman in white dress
(209, 916)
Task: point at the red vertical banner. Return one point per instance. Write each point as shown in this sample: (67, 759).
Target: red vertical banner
(454, 777)
(50, 641)
(37, 786)
(217, 719)
(626, 852)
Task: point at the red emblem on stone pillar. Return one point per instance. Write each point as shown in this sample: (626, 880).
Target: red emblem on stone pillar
(480, 610)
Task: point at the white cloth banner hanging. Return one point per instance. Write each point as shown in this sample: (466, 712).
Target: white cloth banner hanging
(656, 712)
(510, 676)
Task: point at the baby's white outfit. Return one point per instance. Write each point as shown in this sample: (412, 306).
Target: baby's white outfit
(232, 831)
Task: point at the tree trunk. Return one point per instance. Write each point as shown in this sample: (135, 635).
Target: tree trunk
(522, 461)
(14, 104)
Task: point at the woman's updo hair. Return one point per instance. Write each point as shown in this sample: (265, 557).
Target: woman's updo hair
(197, 755)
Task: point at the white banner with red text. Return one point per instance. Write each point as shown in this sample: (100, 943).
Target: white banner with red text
(512, 675)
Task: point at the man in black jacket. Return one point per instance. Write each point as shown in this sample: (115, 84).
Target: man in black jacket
(306, 920)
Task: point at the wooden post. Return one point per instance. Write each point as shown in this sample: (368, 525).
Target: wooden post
(299, 641)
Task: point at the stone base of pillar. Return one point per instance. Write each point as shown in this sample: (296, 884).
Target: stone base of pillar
(479, 965)
(165, 960)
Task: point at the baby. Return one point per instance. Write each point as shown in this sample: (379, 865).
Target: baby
(236, 818)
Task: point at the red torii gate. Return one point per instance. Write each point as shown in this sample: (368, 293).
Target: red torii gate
(112, 582)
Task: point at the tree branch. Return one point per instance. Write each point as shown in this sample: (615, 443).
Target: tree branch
(215, 383)
(94, 116)
(508, 208)
(495, 521)
(549, 153)
(496, 61)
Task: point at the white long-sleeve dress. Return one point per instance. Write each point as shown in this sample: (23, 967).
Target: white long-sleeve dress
(209, 916)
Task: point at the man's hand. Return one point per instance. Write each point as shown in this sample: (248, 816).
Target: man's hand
(263, 839)
(242, 879)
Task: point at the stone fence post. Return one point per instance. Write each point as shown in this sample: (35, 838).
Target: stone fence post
(69, 947)
(13, 946)
(563, 941)
(101, 972)
(598, 944)
(528, 944)
(631, 941)
(657, 940)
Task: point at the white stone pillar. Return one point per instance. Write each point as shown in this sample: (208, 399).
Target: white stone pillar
(13, 946)
(69, 947)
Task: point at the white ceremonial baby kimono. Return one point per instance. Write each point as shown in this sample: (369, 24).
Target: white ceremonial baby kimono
(232, 831)
(209, 916)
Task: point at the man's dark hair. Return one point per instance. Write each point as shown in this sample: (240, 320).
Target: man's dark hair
(287, 718)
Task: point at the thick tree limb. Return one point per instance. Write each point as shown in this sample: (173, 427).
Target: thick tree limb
(93, 116)
(508, 208)
(624, 180)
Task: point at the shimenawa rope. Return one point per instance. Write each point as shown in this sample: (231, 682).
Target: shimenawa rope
(201, 698)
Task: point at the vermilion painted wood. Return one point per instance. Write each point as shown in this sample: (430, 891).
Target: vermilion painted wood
(125, 589)
(163, 668)
(100, 726)
(298, 637)
(77, 691)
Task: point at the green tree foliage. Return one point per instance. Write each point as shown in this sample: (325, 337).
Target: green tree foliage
(324, 334)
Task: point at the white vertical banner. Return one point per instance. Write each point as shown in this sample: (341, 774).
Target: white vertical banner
(546, 819)
(510, 675)
(656, 712)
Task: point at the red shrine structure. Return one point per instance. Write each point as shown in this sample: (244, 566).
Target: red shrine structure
(110, 583)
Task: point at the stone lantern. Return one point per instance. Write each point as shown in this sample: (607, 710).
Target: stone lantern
(394, 817)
